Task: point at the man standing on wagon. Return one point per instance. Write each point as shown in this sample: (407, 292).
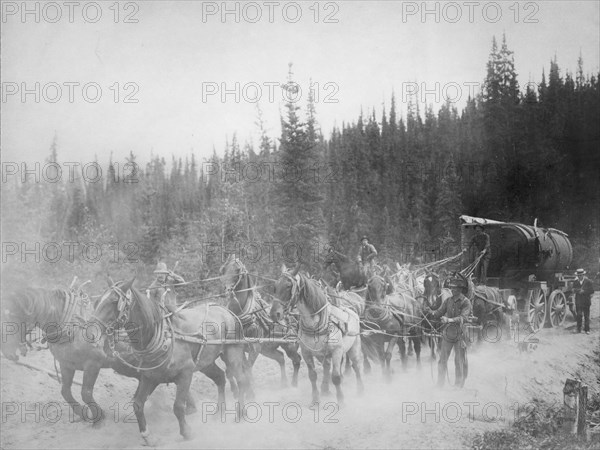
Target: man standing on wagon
(454, 314)
(366, 256)
(583, 289)
(481, 241)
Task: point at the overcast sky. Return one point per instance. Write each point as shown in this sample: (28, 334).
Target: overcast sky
(178, 54)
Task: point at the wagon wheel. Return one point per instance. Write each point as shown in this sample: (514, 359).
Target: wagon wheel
(557, 308)
(536, 313)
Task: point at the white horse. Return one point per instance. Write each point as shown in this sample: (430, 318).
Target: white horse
(325, 331)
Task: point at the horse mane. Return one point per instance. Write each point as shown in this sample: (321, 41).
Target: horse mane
(313, 294)
(149, 312)
(39, 304)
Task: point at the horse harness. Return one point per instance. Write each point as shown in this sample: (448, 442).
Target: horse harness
(75, 306)
(323, 327)
(253, 311)
(160, 348)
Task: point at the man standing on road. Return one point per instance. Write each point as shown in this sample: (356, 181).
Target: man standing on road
(583, 289)
(454, 314)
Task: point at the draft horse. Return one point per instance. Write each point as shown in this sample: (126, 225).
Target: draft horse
(61, 317)
(395, 316)
(350, 271)
(245, 302)
(170, 348)
(325, 331)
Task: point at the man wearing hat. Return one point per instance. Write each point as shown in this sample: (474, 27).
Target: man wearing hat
(162, 289)
(583, 289)
(454, 314)
(366, 256)
(481, 241)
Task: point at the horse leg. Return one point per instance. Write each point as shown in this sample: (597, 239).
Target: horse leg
(234, 358)
(67, 375)
(417, 345)
(366, 344)
(380, 350)
(292, 352)
(215, 373)
(190, 404)
(271, 352)
(145, 388)
(367, 351)
(402, 348)
(336, 373)
(355, 355)
(183, 382)
(253, 351)
(388, 356)
(348, 367)
(232, 383)
(410, 347)
(312, 374)
(326, 375)
(90, 375)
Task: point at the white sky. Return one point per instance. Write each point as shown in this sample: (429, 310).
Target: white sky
(169, 54)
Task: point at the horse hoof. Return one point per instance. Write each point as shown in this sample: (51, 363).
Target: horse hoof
(149, 441)
(294, 383)
(98, 424)
(187, 436)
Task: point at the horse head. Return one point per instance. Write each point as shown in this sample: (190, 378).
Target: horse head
(232, 273)
(115, 308)
(285, 290)
(376, 289)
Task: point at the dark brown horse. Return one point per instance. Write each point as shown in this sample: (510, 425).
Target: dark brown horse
(60, 317)
(325, 331)
(169, 349)
(395, 318)
(245, 302)
(490, 311)
(349, 271)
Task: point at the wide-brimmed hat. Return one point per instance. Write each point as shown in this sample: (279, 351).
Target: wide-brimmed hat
(363, 238)
(161, 267)
(457, 281)
(580, 272)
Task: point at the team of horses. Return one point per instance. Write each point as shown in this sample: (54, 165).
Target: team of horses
(362, 319)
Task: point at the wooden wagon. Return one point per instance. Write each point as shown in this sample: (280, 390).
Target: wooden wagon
(530, 267)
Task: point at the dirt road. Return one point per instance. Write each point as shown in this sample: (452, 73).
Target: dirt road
(407, 412)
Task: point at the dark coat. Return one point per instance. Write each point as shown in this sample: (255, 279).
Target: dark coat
(583, 291)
